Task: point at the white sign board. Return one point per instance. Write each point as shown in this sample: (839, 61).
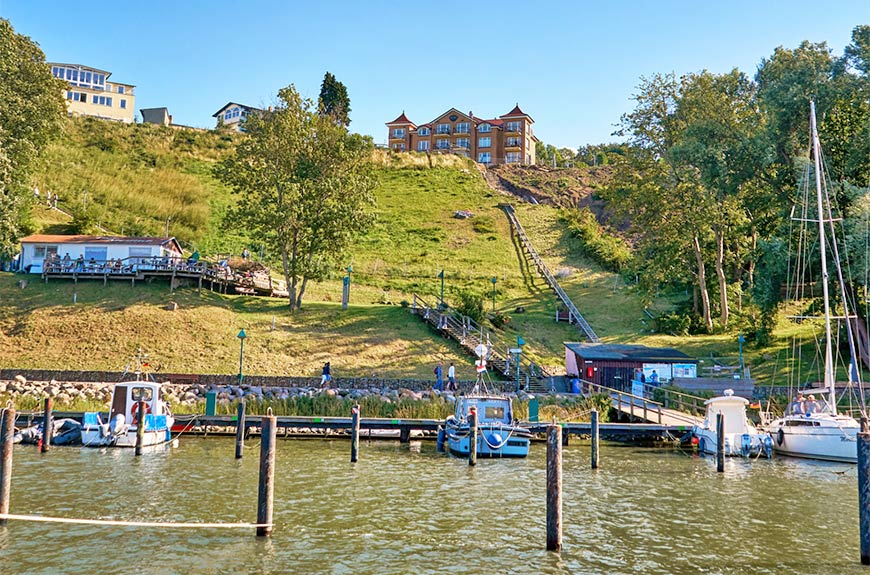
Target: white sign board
(657, 372)
(685, 370)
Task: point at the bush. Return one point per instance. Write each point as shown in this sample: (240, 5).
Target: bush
(610, 251)
(470, 304)
(674, 323)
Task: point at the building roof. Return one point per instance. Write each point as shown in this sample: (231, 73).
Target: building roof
(494, 122)
(453, 111)
(517, 113)
(624, 352)
(228, 104)
(91, 68)
(403, 119)
(117, 240)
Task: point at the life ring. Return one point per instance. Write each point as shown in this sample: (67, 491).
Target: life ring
(780, 436)
(134, 411)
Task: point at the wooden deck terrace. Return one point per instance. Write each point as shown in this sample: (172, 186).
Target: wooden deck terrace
(299, 426)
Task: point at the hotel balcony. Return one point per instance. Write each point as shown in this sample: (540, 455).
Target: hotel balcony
(513, 144)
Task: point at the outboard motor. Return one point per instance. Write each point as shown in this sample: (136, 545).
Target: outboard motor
(118, 425)
(745, 445)
(767, 446)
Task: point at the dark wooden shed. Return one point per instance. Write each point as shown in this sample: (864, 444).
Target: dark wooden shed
(615, 365)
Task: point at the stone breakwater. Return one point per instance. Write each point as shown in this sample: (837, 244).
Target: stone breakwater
(66, 392)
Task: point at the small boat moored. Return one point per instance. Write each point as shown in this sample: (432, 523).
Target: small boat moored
(742, 439)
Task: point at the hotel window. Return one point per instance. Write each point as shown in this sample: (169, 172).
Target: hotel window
(513, 158)
(423, 146)
(484, 142)
(514, 142)
(514, 127)
(423, 131)
(463, 143)
(120, 89)
(462, 128)
(443, 129)
(484, 158)
(398, 132)
(442, 144)
(108, 101)
(484, 128)
(124, 104)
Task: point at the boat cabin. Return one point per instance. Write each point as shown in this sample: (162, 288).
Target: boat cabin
(126, 396)
(490, 409)
(732, 408)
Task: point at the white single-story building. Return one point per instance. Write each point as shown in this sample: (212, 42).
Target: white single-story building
(34, 249)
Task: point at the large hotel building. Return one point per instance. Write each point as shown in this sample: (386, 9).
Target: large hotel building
(507, 139)
(90, 93)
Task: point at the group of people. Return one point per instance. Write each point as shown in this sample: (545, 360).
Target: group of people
(439, 377)
(801, 406)
(50, 199)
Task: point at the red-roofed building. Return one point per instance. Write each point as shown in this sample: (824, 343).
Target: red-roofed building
(507, 139)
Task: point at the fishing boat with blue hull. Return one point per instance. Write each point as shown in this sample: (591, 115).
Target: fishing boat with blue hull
(498, 433)
(123, 424)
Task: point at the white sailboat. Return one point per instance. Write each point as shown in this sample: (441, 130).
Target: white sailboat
(814, 429)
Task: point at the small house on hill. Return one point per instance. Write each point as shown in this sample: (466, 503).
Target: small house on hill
(233, 115)
(35, 249)
(615, 365)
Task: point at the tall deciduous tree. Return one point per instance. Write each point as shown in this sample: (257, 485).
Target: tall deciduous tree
(31, 112)
(304, 185)
(334, 100)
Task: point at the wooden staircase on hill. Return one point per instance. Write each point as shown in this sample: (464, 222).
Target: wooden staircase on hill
(574, 315)
(470, 334)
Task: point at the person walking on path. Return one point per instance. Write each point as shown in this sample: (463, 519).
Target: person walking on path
(439, 381)
(326, 375)
(451, 378)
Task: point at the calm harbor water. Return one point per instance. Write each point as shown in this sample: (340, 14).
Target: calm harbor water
(407, 509)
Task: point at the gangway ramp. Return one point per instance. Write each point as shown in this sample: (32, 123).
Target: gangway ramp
(639, 407)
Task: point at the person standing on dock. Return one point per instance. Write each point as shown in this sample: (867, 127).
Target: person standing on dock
(439, 382)
(451, 378)
(326, 375)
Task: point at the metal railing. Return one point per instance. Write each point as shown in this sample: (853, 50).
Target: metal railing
(636, 403)
(573, 312)
(123, 266)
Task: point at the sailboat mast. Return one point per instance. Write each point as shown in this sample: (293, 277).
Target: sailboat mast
(829, 356)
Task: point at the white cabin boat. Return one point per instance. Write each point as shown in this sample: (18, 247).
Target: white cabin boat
(121, 428)
(742, 439)
(498, 435)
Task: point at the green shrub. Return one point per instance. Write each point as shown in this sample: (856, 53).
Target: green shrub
(470, 304)
(673, 323)
(610, 251)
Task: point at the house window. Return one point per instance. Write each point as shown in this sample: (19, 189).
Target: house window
(423, 145)
(463, 143)
(514, 127)
(398, 132)
(423, 131)
(462, 128)
(108, 101)
(484, 142)
(484, 128)
(514, 142)
(484, 158)
(42, 251)
(443, 129)
(139, 255)
(120, 89)
(124, 104)
(442, 144)
(513, 158)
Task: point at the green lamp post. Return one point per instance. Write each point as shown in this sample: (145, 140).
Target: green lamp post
(493, 280)
(242, 335)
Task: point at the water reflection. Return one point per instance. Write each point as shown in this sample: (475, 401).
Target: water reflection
(408, 509)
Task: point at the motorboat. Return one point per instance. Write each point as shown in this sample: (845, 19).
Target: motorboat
(741, 438)
(122, 426)
(498, 433)
(809, 428)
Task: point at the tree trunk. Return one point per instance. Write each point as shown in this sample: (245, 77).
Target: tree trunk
(702, 284)
(301, 293)
(723, 283)
(752, 259)
(289, 281)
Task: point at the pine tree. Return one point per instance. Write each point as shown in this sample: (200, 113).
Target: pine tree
(334, 100)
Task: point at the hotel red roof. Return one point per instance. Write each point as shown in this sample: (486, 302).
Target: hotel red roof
(517, 112)
(58, 239)
(403, 119)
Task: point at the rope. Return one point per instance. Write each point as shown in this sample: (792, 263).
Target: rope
(43, 519)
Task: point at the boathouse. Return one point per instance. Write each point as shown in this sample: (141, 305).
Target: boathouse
(616, 365)
(35, 249)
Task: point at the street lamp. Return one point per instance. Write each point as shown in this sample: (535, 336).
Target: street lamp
(741, 340)
(441, 275)
(242, 335)
(493, 280)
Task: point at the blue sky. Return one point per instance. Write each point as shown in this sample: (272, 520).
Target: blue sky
(573, 66)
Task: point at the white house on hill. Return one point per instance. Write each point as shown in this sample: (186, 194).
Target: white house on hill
(34, 249)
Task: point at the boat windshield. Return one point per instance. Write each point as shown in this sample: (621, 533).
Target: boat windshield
(141, 393)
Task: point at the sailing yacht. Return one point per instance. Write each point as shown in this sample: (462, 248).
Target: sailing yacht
(813, 429)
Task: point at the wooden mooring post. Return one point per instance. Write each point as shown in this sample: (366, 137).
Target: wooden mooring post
(594, 436)
(266, 489)
(472, 436)
(240, 429)
(354, 433)
(7, 434)
(554, 488)
(720, 442)
(140, 427)
(46, 425)
(864, 495)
